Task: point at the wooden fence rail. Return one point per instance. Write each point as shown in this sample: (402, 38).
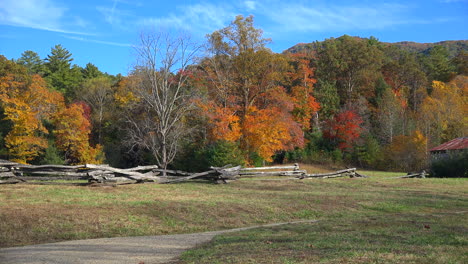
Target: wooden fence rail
(421, 174)
(11, 172)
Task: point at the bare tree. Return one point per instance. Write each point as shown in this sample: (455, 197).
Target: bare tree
(156, 121)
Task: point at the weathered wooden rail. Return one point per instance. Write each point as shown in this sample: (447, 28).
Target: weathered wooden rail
(272, 171)
(421, 174)
(341, 173)
(11, 172)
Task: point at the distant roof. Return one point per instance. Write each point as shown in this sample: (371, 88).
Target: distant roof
(458, 143)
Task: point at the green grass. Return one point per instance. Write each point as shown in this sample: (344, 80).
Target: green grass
(361, 220)
(394, 238)
(380, 220)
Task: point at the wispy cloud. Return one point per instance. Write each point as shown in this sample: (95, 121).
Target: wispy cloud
(118, 17)
(453, 1)
(38, 14)
(198, 18)
(337, 18)
(279, 17)
(250, 5)
(98, 41)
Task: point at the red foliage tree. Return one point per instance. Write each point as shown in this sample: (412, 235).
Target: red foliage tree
(344, 129)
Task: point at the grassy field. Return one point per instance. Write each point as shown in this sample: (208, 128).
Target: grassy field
(378, 219)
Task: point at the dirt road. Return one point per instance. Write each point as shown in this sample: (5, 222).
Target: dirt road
(131, 250)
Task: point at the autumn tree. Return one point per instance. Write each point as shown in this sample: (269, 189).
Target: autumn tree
(344, 129)
(155, 117)
(72, 130)
(301, 87)
(26, 102)
(407, 153)
(444, 113)
(245, 102)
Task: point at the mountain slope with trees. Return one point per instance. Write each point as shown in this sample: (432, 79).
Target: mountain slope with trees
(453, 46)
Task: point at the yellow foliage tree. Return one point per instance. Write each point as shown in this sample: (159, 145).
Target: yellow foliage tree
(408, 152)
(72, 132)
(444, 114)
(267, 131)
(26, 102)
(123, 94)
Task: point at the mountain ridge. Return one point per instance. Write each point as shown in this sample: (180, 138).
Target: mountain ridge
(453, 46)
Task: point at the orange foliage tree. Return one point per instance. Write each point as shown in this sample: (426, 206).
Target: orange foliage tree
(72, 130)
(26, 103)
(245, 101)
(302, 82)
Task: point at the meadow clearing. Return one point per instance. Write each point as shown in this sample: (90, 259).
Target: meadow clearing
(361, 220)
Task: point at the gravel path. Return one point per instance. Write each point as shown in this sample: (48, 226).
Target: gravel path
(131, 250)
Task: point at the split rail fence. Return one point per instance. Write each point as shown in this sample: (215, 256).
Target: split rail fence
(12, 172)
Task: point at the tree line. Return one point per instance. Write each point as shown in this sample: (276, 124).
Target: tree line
(232, 100)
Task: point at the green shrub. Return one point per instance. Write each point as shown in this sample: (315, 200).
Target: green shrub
(337, 155)
(296, 155)
(198, 157)
(452, 166)
(368, 154)
(51, 155)
(222, 153)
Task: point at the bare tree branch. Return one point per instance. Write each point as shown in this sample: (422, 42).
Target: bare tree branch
(156, 122)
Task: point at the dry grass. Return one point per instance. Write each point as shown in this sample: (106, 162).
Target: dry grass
(31, 214)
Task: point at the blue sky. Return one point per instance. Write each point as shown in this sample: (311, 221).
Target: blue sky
(103, 31)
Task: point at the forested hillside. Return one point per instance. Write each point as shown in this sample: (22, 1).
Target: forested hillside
(232, 100)
(454, 47)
